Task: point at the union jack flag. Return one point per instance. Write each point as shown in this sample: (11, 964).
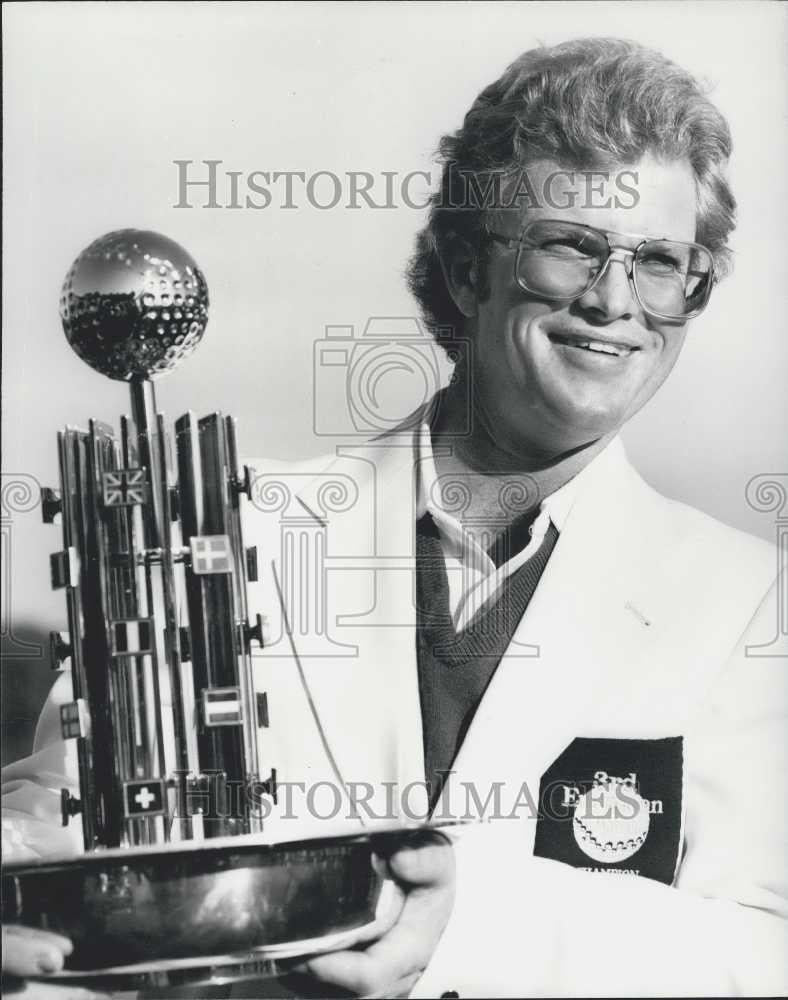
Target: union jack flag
(125, 487)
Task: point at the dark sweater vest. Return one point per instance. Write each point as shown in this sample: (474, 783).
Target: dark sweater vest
(455, 668)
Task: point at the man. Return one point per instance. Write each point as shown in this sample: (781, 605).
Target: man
(510, 619)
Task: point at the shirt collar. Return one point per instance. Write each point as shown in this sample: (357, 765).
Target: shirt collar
(558, 504)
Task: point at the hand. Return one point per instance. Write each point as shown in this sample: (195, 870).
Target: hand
(31, 952)
(389, 958)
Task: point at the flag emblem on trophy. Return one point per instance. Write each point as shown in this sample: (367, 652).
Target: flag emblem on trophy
(211, 554)
(124, 487)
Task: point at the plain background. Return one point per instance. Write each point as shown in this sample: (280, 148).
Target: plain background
(100, 99)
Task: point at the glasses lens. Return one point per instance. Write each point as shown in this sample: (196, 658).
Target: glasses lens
(560, 259)
(673, 279)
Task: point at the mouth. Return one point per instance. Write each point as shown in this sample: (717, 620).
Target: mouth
(611, 348)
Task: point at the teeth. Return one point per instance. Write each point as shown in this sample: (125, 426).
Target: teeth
(595, 345)
(598, 346)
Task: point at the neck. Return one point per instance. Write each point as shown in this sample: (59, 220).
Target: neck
(482, 452)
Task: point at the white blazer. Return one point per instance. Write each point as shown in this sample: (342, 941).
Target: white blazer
(650, 628)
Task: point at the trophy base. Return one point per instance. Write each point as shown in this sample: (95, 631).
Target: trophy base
(262, 973)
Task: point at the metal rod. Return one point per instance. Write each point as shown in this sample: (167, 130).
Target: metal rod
(152, 455)
(143, 413)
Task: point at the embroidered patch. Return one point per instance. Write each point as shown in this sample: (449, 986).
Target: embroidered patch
(614, 806)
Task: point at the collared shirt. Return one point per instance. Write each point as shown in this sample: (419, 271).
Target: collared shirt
(472, 574)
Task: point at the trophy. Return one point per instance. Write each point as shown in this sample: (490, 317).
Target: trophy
(176, 885)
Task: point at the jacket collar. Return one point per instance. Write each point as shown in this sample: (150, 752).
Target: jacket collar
(558, 504)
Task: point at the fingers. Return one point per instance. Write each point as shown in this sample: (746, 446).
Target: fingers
(355, 971)
(403, 988)
(28, 951)
(392, 964)
(429, 865)
(396, 958)
(390, 903)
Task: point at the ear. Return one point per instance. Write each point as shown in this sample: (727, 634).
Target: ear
(458, 263)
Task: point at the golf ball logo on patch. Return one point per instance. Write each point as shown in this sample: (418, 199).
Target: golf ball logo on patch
(611, 819)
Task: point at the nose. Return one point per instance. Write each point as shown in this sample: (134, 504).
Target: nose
(613, 295)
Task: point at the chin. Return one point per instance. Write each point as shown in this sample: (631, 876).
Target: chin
(581, 427)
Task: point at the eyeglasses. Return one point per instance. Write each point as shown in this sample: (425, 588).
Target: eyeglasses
(564, 260)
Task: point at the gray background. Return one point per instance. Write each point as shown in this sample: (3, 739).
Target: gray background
(101, 99)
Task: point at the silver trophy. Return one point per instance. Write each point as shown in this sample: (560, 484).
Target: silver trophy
(176, 886)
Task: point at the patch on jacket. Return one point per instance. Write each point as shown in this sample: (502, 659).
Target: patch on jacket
(614, 806)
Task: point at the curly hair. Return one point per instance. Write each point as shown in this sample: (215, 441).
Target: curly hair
(584, 104)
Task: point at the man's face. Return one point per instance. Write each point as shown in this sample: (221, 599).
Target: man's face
(538, 390)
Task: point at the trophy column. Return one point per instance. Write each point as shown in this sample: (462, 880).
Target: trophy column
(164, 713)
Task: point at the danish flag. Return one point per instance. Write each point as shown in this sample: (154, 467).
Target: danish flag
(211, 554)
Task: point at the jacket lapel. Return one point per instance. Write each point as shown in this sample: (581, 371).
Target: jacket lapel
(588, 626)
(365, 689)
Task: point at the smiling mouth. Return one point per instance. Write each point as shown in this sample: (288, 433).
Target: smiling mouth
(611, 348)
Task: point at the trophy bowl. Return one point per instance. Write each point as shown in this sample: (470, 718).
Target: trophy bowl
(138, 918)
